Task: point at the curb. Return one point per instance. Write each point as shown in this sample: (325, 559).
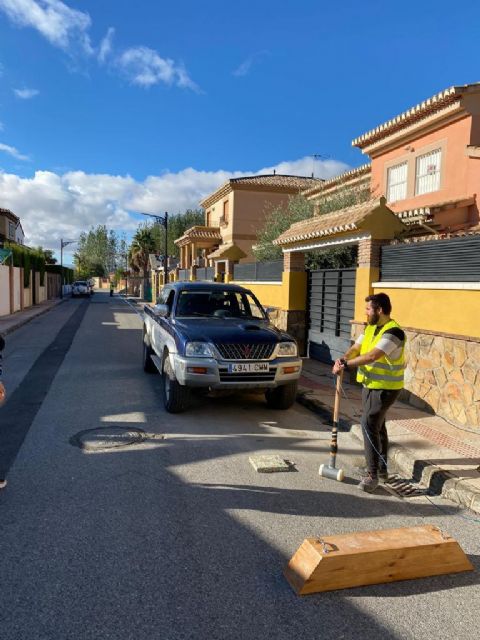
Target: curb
(439, 481)
(320, 409)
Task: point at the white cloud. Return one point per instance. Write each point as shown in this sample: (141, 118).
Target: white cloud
(13, 152)
(106, 45)
(53, 206)
(68, 29)
(62, 26)
(306, 166)
(244, 68)
(144, 67)
(26, 94)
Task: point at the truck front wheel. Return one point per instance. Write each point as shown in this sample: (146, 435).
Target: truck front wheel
(282, 397)
(175, 396)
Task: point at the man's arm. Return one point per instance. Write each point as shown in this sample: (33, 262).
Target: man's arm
(352, 358)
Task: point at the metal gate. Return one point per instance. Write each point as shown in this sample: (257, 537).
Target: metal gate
(331, 300)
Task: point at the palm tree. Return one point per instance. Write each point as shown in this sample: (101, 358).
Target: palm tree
(143, 244)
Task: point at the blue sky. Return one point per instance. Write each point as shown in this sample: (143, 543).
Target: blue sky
(112, 107)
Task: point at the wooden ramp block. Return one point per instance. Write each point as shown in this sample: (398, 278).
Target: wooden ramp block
(373, 557)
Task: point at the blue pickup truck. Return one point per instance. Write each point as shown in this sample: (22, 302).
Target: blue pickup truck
(217, 336)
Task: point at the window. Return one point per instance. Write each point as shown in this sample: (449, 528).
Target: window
(397, 182)
(225, 212)
(11, 230)
(427, 176)
(208, 218)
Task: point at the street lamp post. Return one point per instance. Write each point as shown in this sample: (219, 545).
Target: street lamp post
(63, 243)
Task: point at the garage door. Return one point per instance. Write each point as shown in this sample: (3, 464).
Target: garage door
(331, 307)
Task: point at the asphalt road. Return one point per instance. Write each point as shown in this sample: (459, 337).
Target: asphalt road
(176, 536)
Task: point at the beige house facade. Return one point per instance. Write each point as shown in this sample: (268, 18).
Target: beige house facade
(234, 214)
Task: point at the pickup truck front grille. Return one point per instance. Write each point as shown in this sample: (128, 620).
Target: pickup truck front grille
(261, 351)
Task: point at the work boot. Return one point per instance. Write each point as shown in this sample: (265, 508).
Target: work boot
(368, 483)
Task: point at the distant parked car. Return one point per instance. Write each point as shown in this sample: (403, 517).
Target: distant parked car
(217, 336)
(80, 288)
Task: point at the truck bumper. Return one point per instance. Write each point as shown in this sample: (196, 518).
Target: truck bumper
(208, 372)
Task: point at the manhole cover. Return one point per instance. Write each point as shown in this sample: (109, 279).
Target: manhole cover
(403, 488)
(105, 438)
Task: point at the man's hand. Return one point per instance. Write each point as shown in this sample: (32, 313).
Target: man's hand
(338, 366)
(3, 393)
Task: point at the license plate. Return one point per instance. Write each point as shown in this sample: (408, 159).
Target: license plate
(250, 367)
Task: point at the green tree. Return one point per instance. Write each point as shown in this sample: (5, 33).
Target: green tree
(96, 253)
(298, 208)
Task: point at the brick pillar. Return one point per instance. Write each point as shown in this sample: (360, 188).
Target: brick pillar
(294, 261)
(368, 271)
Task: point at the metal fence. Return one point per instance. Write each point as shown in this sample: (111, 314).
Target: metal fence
(451, 260)
(184, 274)
(261, 271)
(206, 273)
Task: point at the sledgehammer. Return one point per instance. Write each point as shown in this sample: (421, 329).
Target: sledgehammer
(330, 471)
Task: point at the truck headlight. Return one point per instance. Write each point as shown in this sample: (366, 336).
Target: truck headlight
(287, 349)
(199, 350)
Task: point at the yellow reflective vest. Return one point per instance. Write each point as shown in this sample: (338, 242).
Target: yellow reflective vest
(384, 373)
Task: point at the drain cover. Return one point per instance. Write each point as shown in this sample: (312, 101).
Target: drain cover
(105, 438)
(403, 488)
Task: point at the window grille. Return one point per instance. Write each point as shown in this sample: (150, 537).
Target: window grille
(397, 182)
(428, 172)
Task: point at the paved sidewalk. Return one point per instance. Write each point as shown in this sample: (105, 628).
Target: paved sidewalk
(423, 447)
(15, 320)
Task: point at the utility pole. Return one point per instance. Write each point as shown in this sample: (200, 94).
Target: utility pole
(63, 243)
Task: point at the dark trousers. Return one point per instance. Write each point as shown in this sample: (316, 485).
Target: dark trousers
(375, 404)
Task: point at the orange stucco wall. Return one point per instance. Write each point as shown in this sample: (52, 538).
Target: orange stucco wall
(460, 174)
(247, 210)
(250, 211)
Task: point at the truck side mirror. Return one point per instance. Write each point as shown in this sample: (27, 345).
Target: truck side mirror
(161, 310)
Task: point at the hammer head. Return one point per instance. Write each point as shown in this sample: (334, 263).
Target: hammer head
(331, 472)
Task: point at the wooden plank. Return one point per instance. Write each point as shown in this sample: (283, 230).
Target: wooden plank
(373, 557)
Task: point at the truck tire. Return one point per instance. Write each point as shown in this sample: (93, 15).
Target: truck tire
(282, 397)
(148, 364)
(175, 396)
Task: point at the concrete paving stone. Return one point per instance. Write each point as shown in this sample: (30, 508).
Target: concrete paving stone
(269, 464)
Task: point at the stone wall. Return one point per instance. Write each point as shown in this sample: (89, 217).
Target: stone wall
(442, 375)
(293, 322)
(444, 372)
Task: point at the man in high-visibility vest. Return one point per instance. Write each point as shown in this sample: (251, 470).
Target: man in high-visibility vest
(379, 355)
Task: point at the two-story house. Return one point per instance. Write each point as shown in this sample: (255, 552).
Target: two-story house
(10, 227)
(418, 240)
(234, 213)
(426, 161)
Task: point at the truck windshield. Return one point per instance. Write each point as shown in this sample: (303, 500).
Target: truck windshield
(218, 304)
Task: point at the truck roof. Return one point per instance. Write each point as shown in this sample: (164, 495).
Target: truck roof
(202, 285)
